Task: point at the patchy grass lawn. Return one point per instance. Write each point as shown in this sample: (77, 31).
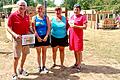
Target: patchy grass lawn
(101, 59)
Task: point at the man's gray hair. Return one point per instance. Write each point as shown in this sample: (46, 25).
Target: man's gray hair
(21, 1)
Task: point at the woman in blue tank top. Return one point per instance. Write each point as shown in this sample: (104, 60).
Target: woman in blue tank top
(58, 35)
(41, 26)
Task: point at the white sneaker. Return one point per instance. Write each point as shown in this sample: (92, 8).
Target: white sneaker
(15, 77)
(23, 72)
(44, 70)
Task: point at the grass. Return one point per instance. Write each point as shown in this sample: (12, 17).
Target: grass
(105, 43)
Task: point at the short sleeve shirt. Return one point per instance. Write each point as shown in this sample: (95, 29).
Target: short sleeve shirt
(76, 34)
(19, 24)
(78, 20)
(58, 27)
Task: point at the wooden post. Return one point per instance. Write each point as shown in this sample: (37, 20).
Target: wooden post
(96, 26)
(66, 9)
(91, 19)
(45, 4)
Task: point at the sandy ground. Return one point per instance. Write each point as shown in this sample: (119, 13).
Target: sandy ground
(94, 66)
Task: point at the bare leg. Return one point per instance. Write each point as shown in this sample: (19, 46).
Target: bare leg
(54, 50)
(15, 64)
(24, 55)
(75, 54)
(44, 49)
(61, 49)
(79, 57)
(17, 48)
(39, 55)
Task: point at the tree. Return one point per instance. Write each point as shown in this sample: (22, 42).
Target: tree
(85, 4)
(50, 3)
(30, 2)
(70, 4)
(1, 5)
(117, 9)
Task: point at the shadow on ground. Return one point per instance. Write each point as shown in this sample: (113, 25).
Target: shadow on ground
(6, 52)
(66, 74)
(55, 74)
(99, 69)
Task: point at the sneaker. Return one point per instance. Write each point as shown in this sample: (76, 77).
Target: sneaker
(78, 68)
(39, 69)
(44, 70)
(23, 72)
(15, 77)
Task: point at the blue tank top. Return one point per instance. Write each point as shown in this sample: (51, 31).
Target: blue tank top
(41, 25)
(58, 28)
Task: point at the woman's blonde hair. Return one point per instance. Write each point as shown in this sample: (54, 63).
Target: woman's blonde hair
(39, 5)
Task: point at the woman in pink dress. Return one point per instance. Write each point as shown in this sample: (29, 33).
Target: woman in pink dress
(77, 23)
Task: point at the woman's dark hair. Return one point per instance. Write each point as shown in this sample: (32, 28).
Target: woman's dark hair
(77, 6)
(58, 8)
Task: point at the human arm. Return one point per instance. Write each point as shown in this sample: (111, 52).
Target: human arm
(82, 21)
(34, 29)
(81, 27)
(67, 24)
(48, 30)
(10, 27)
(16, 36)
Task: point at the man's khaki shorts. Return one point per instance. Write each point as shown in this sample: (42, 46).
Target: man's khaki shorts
(18, 48)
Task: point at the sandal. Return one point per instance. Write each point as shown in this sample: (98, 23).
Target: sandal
(74, 66)
(54, 65)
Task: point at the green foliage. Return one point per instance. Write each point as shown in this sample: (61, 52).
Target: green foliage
(1, 4)
(98, 4)
(85, 4)
(117, 9)
(70, 4)
(50, 3)
(40, 1)
(114, 2)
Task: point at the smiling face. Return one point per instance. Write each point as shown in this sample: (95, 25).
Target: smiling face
(76, 10)
(22, 7)
(40, 9)
(58, 11)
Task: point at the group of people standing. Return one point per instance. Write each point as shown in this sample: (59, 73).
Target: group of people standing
(19, 23)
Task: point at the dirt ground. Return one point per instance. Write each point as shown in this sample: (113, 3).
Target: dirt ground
(100, 59)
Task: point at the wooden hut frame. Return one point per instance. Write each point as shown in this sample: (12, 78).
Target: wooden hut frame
(105, 19)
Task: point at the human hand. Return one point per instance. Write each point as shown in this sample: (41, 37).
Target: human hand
(71, 23)
(18, 36)
(39, 39)
(45, 38)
